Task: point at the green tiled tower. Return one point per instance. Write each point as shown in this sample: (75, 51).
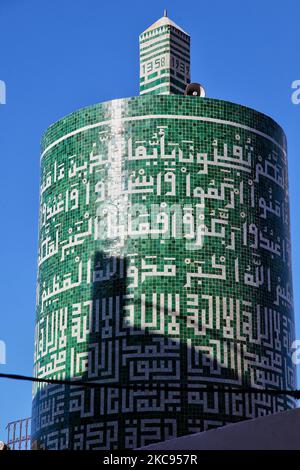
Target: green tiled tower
(164, 58)
(164, 267)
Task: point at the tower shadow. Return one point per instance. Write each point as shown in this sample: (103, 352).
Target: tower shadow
(151, 385)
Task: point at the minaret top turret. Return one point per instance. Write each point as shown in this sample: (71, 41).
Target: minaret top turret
(164, 58)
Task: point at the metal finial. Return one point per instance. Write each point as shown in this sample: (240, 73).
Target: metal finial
(165, 12)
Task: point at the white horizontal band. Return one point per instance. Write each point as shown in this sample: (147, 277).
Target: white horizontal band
(162, 116)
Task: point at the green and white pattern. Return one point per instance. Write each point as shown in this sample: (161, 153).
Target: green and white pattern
(164, 59)
(164, 258)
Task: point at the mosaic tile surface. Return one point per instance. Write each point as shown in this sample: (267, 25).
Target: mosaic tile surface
(164, 59)
(164, 258)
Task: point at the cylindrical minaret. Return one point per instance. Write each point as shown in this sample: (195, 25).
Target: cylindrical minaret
(164, 267)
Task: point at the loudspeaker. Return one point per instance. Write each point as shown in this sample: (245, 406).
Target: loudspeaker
(194, 89)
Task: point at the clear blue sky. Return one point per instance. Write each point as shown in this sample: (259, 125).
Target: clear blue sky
(59, 55)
